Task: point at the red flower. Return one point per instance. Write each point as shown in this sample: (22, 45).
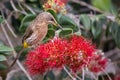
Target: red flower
(56, 5)
(117, 77)
(98, 63)
(36, 62)
(76, 53)
(64, 1)
(46, 56)
(79, 52)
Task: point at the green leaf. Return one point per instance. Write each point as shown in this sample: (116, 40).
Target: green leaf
(97, 26)
(65, 32)
(49, 76)
(115, 30)
(67, 22)
(105, 5)
(50, 34)
(32, 0)
(85, 20)
(26, 22)
(5, 49)
(2, 58)
(1, 43)
(78, 33)
(63, 74)
(1, 19)
(2, 66)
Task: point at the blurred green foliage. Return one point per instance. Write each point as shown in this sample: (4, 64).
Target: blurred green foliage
(105, 5)
(4, 51)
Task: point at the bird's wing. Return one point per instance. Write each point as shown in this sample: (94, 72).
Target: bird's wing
(27, 34)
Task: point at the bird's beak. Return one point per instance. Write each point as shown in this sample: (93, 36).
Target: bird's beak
(56, 24)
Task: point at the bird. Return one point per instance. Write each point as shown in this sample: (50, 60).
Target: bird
(36, 31)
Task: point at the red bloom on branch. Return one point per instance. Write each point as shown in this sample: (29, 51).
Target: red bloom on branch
(76, 52)
(36, 62)
(46, 56)
(79, 52)
(64, 1)
(98, 63)
(56, 5)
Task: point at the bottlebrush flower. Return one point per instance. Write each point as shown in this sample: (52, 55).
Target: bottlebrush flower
(46, 56)
(75, 52)
(117, 77)
(56, 5)
(80, 50)
(98, 63)
(64, 1)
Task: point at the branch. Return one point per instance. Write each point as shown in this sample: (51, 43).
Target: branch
(110, 16)
(15, 9)
(106, 74)
(14, 52)
(83, 74)
(112, 52)
(69, 73)
(9, 27)
(21, 7)
(12, 4)
(87, 5)
(29, 8)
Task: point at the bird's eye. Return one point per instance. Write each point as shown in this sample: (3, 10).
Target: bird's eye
(51, 19)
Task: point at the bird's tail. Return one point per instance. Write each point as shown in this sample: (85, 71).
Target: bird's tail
(18, 55)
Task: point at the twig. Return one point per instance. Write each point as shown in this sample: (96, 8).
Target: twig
(87, 5)
(29, 9)
(77, 76)
(14, 52)
(106, 74)
(111, 52)
(97, 77)
(11, 30)
(9, 16)
(69, 73)
(12, 4)
(12, 73)
(9, 27)
(15, 9)
(102, 78)
(83, 74)
(21, 7)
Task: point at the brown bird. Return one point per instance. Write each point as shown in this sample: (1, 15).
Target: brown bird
(37, 31)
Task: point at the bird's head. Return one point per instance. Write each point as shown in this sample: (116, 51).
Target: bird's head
(49, 19)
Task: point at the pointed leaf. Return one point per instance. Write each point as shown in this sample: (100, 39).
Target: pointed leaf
(1, 19)
(97, 27)
(67, 22)
(1, 43)
(50, 34)
(78, 33)
(2, 58)
(5, 49)
(26, 22)
(65, 32)
(2, 66)
(85, 20)
(115, 30)
(105, 5)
